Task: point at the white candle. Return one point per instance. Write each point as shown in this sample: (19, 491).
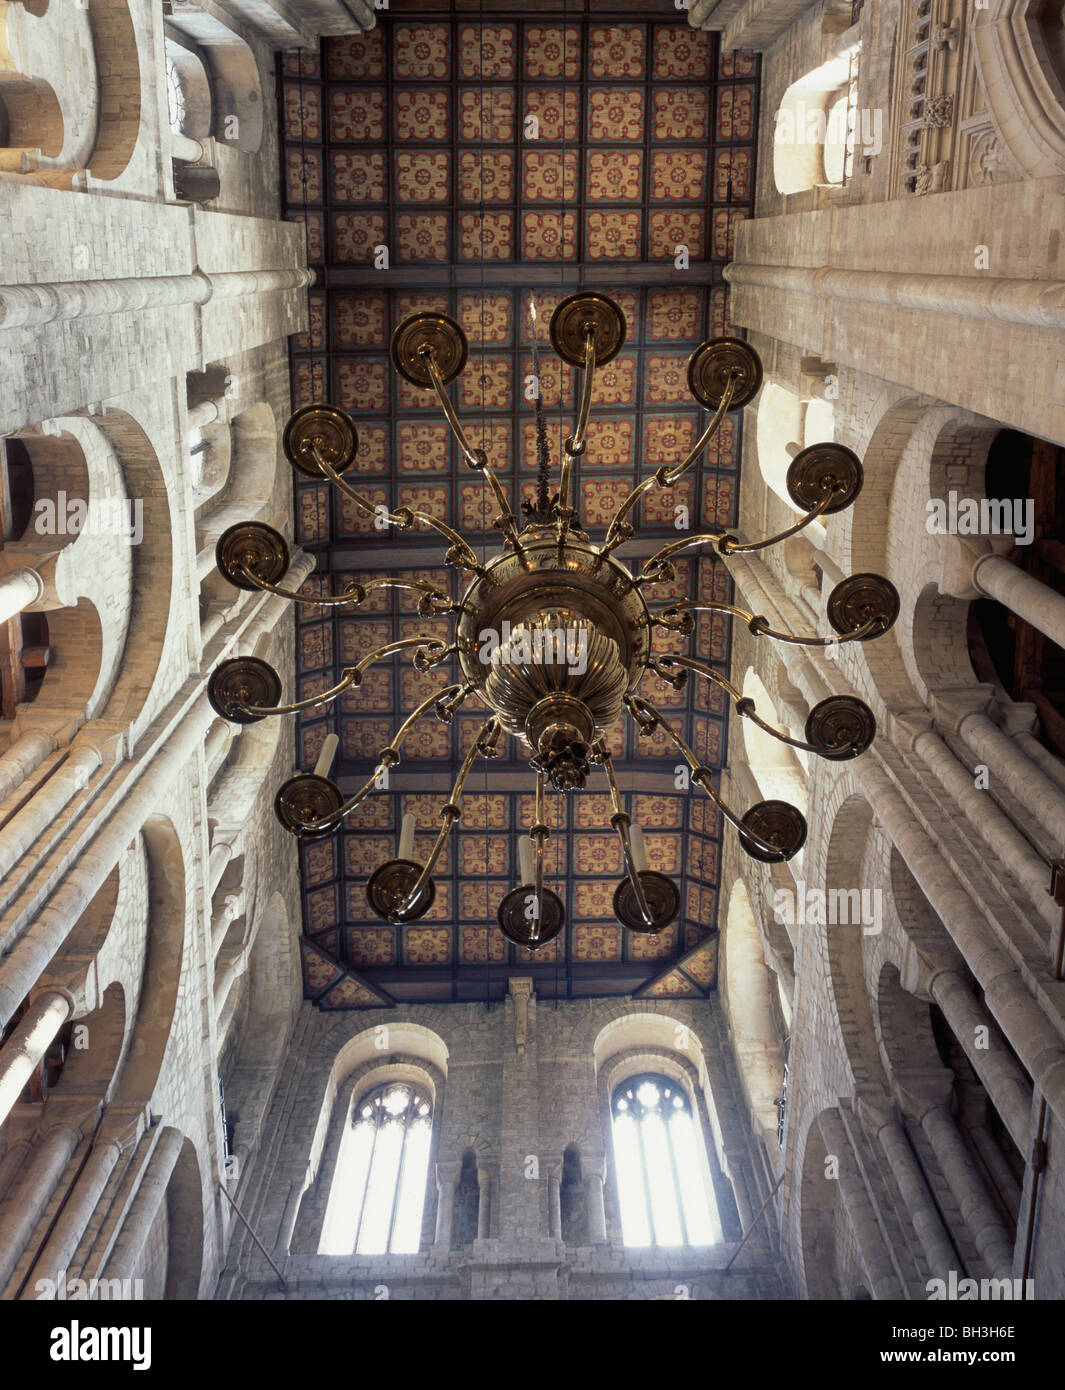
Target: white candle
(526, 861)
(406, 837)
(324, 764)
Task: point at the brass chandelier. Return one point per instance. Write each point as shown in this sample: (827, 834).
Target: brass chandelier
(553, 632)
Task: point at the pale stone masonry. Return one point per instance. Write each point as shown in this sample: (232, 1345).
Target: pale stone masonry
(149, 898)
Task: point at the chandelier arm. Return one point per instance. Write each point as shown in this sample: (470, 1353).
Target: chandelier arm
(349, 677)
(463, 556)
(390, 756)
(729, 545)
(399, 645)
(473, 458)
(404, 518)
(621, 821)
(449, 813)
(758, 626)
(745, 706)
(646, 716)
(433, 595)
(576, 444)
(660, 557)
(666, 477)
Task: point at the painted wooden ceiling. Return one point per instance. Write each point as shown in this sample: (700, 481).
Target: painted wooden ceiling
(418, 138)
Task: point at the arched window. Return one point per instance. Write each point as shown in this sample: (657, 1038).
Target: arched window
(379, 1187)
(175, 96)
(663, 1179)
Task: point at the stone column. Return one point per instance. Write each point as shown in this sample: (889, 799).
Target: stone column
(594, 1177)
(12, 1163)
(926, 1095)
(1006, 759)
(18, 589)
(933, 1235)
(447, 1181)
(1002, 1078)
(29, 306)
(999, 578)
(23, 758)
(26, 828)
(484, 1201)
(291, 1214)
(229, 969)
(52, 924)
(27, 1200)
(205, 413)
(184, 147)
(1001, 835)
(75, 1215)
(553, 1168)
(144, 1208)
(228, 913)
(873, 1249)
(28, 1044)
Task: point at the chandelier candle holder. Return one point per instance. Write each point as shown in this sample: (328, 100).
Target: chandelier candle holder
(570, 625)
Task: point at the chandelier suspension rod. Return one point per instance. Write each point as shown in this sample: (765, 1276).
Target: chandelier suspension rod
(621, 821)
(647, 717)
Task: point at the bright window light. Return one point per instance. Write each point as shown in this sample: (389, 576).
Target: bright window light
(663, 1179)
(375, 1206)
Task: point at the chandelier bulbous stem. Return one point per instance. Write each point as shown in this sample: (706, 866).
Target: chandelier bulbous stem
(647, 718)
(621, 821)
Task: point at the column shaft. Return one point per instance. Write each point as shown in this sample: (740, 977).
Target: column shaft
(75, 1216)
(1002, 1078)
(145, 1206)
(875, 1255)
(933, 1235)
(28, 1044)
(27, 1200)
(1038, 605)
(18, 589)
(980, 1216)
(1044, 798)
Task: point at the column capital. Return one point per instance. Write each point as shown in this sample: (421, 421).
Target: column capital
(447, 1174)
(875, 1111)
(920, 1089)
(1017, 717)
(953, 706)
(905, 726)
(962, 558)
(594, 1166)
